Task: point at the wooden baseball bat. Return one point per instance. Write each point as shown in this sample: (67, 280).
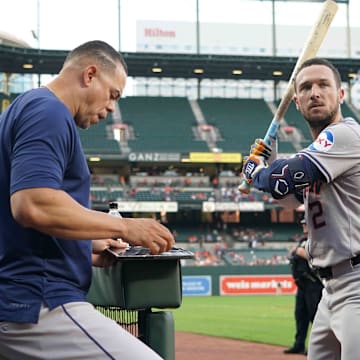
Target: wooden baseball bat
(310, 49)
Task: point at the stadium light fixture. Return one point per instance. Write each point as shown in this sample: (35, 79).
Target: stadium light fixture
(277, 73)
(352, 75)
(198, 71)
(237, 72)
(157, 70)
(95, 158)
(27, 66)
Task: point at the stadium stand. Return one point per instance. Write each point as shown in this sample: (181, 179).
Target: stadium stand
(104, 195)
(156, 181)
(172, 194)
(256, 256)
(161, 124)
(238, 120)
(240, 236)
(99, 139)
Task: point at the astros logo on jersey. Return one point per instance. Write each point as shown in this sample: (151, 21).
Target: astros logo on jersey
(323, 142)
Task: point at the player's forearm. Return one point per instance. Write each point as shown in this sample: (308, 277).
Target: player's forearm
(284, 177)
(55, 213)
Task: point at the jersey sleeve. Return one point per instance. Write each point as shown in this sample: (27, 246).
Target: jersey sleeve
(336, 149)
(42, 146)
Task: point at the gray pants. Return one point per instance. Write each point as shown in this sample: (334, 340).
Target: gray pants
(73, 331)
(336, 328)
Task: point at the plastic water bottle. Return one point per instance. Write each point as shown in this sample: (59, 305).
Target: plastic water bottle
(114, 211)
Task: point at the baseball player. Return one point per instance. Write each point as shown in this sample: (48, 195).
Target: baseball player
(326, 178)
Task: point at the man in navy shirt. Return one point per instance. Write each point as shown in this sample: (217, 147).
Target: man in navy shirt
(49, 238)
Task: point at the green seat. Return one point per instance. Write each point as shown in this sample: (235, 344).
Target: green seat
(239, 121)
(98, 139)
(161, 124)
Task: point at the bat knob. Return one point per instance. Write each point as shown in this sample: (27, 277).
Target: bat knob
(244, 187)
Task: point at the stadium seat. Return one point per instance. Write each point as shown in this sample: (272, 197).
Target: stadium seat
(161, 124)
(99, 139)
(239, 121)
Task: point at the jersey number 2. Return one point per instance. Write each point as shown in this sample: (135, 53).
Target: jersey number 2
(316, 214)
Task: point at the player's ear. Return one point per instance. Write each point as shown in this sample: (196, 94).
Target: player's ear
(295, 99)
(341, 95)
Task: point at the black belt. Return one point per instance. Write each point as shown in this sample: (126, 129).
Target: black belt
(327, 272)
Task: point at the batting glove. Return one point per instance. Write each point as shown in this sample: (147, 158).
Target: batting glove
(252, 165)
(261, 148)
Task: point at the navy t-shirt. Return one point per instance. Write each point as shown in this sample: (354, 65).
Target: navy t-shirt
(40, 148)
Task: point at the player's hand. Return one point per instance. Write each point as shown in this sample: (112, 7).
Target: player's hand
(261, 148)
(102, 258)
(99, 246)
(252, 165)
(148, 233)
(260, 151)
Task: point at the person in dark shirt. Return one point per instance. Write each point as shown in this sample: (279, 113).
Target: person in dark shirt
(49, 236)
(309, 290)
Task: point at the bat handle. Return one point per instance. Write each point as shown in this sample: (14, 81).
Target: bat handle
(244, 187)
(272, 131)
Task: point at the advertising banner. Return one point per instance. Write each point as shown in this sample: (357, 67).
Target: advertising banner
(147, 206)
(257, 284)
(196, 285)
(212, 206)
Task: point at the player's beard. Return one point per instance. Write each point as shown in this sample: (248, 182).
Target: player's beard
(317, 123)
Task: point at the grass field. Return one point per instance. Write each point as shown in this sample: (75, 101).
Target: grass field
(265, 319)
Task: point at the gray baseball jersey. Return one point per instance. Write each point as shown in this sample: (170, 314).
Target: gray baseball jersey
(333, 208)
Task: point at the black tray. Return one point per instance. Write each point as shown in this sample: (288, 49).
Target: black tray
(142, 253)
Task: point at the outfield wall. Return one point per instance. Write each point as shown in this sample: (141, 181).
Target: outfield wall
(237, 280)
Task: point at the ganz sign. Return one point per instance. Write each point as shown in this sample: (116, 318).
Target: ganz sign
(154, 157)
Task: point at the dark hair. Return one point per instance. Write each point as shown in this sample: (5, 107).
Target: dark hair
(320, 61)
(104, 54)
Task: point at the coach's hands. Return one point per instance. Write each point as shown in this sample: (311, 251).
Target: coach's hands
(102, 258)
(148, 233)
(137, 232)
